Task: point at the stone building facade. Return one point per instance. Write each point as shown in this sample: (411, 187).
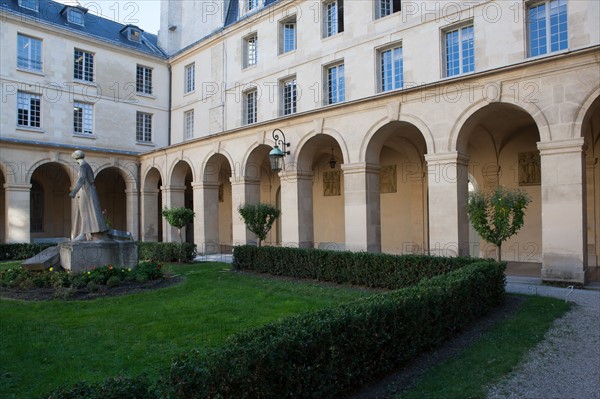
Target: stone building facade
(393, 110)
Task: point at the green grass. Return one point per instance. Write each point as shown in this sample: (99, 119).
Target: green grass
(46, 344)
(492, 356)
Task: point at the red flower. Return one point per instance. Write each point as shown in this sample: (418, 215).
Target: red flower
(110, 267)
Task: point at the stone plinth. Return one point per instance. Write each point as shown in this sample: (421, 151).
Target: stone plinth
(86, 255)
(46, 259)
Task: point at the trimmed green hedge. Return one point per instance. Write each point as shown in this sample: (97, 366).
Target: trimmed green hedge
(330, 352)
(326, 353)
(166, 251)
(358, 268)
(21, 251)
(160, 251)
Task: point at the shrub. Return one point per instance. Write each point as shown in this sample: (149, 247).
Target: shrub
(329, 352)
(21, 251)
(166, 251)
(358, 268)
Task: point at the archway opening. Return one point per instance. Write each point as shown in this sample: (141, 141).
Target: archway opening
(217, 180)
(50, 204)
(152, 229)
(399, 149)
(327, 191)
(111, 186)
(263, 185)
(501, 142)
(591, 135)
(180, 195)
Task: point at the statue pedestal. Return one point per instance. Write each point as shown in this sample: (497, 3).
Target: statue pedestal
(81, 256)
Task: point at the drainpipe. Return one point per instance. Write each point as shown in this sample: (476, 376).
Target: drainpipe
(169, 105)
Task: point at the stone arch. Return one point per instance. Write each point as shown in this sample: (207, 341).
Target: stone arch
(50, 204)
(71, 169)
(528, 107)
(175, 176)
(405, 118)
(254, 156)
(112, 187)
(300, 154)
(128, 176)
(212, 162)
(583, 112)
(151, 176)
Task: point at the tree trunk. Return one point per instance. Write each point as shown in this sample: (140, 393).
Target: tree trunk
(499, 252)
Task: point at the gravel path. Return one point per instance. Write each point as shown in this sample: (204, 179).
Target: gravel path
(566, 365)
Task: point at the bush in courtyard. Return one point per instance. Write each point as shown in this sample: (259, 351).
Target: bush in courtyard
(21, 251)
(358, 268)
(259, 219)
(166, 251)
(329, 352)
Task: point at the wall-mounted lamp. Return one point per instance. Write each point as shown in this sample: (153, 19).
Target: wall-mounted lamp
(332, 160)
(276, 155)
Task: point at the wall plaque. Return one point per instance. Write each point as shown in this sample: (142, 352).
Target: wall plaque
(389, 180)
(331, 183)
(529, 169)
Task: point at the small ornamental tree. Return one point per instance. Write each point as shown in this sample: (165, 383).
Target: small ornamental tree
(259, 219)
(497, 215)
(178, 218)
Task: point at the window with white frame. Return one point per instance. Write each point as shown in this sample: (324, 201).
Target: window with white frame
(252, 5)
(391, 68)
(29, 53)
(333, 17)
(83, 66)
(29, 4)
(29, 109)
(386, 7)
(250, 107)
(143, 127)
(287, 35)
(188, 124)
(190, 78)
(289, 96)
(143, 80)
(83, 118)
(336, 86)
(250, 50)
(459, 50)
(75, 16)
(547, 27)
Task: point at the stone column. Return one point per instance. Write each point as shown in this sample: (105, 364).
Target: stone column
(132, 212)
(362, 211)
(174, 197)
(297, 209)
(150, 219)
(592, 211)
(206, 223)
(448, 178)
(243, 191)
(17, 210)
(564, 235)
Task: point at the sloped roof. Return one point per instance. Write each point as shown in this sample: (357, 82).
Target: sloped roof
(96, 27)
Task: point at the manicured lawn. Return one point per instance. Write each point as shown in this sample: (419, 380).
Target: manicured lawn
(46, 344)
(491, 357)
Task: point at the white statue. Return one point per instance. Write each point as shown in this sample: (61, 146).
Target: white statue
(89, 221)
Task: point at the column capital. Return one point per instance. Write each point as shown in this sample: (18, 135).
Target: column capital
(173, 189)
(17, 187)
(150, 191)
(250, 181)
(205, 185)
(130, 191)
(554, 147)
(360, 167)
(288, 176)
(454, 157)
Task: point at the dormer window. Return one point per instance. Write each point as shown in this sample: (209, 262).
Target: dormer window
(75, 16)
(134, 34)
(29, 4)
